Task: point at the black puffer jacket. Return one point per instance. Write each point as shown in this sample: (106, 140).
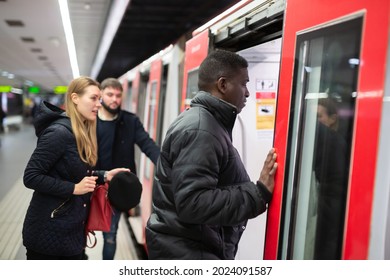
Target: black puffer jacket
(204, 196)
(54, 223)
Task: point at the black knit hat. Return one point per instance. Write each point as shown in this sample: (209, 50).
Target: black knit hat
(124, 191)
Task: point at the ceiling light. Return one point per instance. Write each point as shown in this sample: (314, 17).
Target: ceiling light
(14, 23)
(69, 37)
(87, 6)
(28, 39)
(115, 16)
(36, 50)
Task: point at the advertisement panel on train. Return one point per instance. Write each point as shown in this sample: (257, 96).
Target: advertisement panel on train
(196, 50)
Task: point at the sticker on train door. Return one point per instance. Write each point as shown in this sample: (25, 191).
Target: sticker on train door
(265, 113)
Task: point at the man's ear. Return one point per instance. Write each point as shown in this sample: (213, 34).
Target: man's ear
(75, 98)
(221, 84)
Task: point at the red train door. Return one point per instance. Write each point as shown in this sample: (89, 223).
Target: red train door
(327, 129)
(151, 114)
(196, 50)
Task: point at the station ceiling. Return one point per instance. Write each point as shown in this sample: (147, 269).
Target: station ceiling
(149, 26)
(33, 45)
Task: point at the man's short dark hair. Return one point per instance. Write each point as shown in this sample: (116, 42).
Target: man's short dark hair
(111, 82)
(217, 64)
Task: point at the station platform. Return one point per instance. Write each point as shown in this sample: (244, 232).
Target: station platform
(16, 147)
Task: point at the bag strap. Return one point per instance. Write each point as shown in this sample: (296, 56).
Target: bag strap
(90, 243)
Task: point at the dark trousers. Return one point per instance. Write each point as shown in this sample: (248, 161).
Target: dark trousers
(32, 255)
(109, 246)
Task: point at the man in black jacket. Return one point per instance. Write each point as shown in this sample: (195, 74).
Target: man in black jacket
(204, 196)
(118, 132)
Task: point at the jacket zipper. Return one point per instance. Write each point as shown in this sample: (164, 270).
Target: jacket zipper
(58, 208)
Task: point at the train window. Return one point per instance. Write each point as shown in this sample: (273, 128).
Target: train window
(128, 104)
(320, 139)
(192, 85)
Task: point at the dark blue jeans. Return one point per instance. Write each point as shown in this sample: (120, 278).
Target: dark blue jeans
(109, 246)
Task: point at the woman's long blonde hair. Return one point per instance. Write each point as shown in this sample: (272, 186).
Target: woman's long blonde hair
(84, 130)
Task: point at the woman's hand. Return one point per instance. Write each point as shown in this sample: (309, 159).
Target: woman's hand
(86, 185)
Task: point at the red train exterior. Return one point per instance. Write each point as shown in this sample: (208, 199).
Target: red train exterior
(297, 57)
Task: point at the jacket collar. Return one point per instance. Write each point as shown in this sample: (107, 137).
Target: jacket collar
(223, 111)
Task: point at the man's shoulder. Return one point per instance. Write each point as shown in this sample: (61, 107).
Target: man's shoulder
(127, 115)
(127, 120)
(196, 119)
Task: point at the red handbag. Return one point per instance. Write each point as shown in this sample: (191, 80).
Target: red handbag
(100, 213)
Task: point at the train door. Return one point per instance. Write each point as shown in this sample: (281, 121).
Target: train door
(254, 129)
(174, 59)
(139, 93)
(327, 129)
(131, 97)
(140, 83)
(150, 122)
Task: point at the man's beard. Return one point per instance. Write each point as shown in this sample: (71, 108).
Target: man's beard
(111, 111)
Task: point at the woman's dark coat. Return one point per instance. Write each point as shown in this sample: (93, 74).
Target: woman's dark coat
(55, 219)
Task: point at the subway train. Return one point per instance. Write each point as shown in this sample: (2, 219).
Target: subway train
(319, 93)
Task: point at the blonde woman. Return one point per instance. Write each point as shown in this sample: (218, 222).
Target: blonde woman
(58, 172)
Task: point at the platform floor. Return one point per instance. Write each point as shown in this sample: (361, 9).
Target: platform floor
(15, 149)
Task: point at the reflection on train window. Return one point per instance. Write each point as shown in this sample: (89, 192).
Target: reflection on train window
(192, 85)
(320, 140)
(152, 118)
